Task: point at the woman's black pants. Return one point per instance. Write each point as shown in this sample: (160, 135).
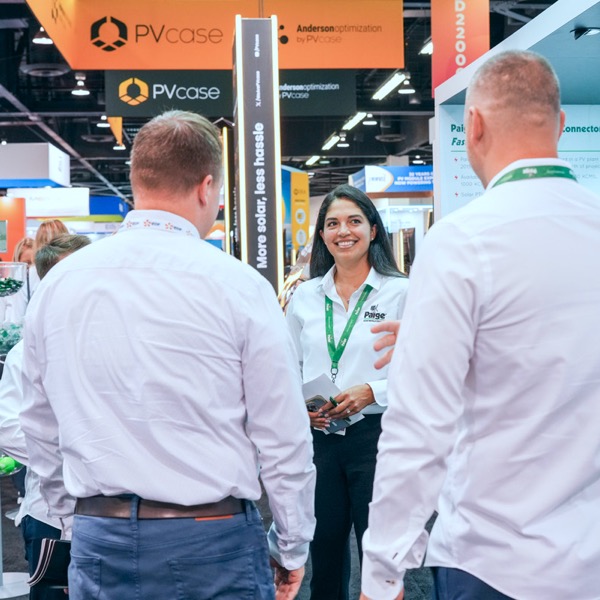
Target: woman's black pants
(345, 472)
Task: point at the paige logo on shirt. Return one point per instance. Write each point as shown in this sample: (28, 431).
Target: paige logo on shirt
(373, 314)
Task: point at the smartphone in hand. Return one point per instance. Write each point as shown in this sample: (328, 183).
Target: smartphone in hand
(315, 403)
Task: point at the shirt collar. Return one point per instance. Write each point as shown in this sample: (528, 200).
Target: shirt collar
(158, 220)
(327, 283)
(526, 162)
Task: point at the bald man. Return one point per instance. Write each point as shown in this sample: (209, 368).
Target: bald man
(494, 383)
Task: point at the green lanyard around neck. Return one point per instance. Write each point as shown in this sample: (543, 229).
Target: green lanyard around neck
(335, 353)
(536, 173)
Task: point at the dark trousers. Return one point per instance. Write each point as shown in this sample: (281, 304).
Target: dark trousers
(345, 472)
(33, 532)
(18, 480)
(454, 584)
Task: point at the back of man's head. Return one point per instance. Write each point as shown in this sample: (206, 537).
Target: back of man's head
(174, 152)
(57, 249)
(517, 86)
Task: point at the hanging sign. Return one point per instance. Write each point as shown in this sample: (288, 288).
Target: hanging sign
(179, 34)
(302, 92)
(460, 32)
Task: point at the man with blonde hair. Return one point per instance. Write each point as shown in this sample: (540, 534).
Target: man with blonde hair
(493, 386)
(160, 370)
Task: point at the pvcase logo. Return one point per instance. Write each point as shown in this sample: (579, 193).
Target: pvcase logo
(133, 91)
(108, 33)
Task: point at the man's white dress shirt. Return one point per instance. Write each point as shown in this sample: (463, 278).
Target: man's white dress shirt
(494, 399)
(12, 440)
(157, 365)
(306, 320)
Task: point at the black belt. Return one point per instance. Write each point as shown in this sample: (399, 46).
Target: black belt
(119, 507)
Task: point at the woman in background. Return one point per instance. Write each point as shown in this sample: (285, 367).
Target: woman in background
(354, 283)
(24, 251)
(48, 230)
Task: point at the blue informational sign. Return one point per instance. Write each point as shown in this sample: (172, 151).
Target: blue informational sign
(394, 179)
(108, 205)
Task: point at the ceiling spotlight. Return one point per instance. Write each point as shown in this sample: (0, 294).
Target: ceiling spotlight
(331, 141)
(3, 142)
(343, 143)
(354, 121)
(427, 47)
(406, 87)
(42, 38)
(312, 160)
(119, 147)
(369, 120)
(324, 161)
(389, 86)
(415, 99)
(80, 88)
(581, 31)
(418, 161)
(103, 122)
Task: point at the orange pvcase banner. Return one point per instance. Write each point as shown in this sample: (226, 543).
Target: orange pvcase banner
(460, 31)
(143, 34)
(198, 34)
(339, 34)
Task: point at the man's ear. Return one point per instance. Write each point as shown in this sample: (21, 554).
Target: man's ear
(202, 189)
(475, 126)
(561, 123)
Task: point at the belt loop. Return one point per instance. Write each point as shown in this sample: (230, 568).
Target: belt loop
(135, 504)
(248, 508)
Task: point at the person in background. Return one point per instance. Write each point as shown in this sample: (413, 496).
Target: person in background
(354, 283)
(24, 251)
(47, 231)
(13, 308)
(494, 386)
(153, 425)
(33, 511)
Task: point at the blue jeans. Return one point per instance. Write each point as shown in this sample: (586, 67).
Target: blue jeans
(33, 532)
(454, 584)
(170, 559)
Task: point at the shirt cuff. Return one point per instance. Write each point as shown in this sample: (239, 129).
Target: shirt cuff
(290, 559)
(379, 388)
(377, 586)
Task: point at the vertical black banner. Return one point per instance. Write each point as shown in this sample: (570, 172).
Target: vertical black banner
(258, 189)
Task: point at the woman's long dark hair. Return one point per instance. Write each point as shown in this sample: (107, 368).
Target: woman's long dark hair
(380, 257)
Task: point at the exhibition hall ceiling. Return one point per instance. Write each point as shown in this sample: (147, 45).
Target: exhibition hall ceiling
(36, 104)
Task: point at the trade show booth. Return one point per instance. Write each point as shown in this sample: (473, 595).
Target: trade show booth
(564, 34)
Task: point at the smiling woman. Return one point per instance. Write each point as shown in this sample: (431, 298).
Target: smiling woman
(354, 283)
